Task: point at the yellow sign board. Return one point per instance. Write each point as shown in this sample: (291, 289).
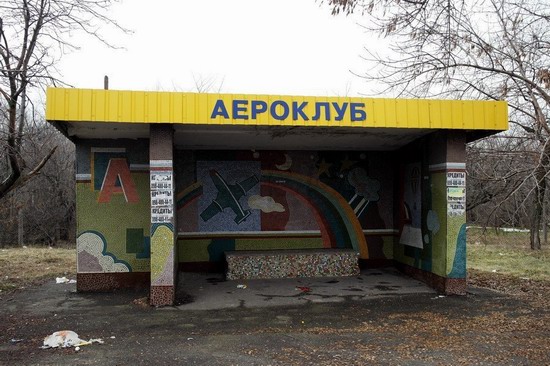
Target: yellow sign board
(90, 105)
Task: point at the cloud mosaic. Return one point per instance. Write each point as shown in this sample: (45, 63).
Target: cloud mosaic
(92, 255)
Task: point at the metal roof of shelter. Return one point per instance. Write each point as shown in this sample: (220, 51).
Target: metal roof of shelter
(214, 119)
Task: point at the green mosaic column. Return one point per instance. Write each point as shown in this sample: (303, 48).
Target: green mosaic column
(448, 214)
(163, 236)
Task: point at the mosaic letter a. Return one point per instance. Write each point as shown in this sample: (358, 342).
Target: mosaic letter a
(118, 171)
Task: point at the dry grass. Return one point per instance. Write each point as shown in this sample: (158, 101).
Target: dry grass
(507, 253)
(23, 267)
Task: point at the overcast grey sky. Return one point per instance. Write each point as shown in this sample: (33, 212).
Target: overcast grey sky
(292, 47)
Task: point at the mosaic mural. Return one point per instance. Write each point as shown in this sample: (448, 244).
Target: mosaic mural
(93, 255)
(411, 233)
(254, 200)
(227, 187)
(162, 268)
(282, 200)
(113, 203)
(439, 243)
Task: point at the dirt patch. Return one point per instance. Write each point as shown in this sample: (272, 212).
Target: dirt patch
(531, 290)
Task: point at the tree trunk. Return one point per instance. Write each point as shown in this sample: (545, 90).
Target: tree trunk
(535, 223)
(20, 229)
(545, 221)
(14, 170)
(540, 174)
(57, 235)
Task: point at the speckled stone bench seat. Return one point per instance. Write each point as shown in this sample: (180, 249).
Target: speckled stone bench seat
(291, 263)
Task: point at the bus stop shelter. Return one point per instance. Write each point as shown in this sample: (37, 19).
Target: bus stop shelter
(284, 185)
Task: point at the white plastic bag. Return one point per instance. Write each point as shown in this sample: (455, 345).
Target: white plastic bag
(66, 338)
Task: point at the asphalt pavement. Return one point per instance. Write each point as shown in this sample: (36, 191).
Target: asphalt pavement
(375, 318)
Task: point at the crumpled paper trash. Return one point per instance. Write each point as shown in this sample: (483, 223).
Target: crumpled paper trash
(67, 338)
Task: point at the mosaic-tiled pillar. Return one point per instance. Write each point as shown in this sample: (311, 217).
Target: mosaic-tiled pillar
(163, 236)
(447, 218)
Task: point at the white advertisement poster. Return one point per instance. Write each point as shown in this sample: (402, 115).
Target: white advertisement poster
(456, 193)
(162, 199)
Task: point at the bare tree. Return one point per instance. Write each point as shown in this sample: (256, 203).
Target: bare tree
(499, 186)
(33, 35)
(42, 210)
(206, 84)
(490, 49)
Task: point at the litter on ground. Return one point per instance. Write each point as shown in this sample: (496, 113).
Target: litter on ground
(59, 280)
(67, 338)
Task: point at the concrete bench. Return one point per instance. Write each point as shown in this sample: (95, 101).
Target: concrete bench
(291, 263)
